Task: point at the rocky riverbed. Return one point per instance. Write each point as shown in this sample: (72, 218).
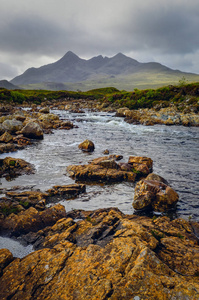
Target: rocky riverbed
(91, 254)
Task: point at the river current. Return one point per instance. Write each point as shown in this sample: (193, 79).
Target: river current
(173, 149)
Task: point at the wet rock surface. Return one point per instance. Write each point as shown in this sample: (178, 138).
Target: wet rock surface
(87, 146)
(67, 191)
(154, 194)
(13, 167)
(106, 169)
(106, 255)
(23, 211)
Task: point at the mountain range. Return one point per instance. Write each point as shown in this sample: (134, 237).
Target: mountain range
(73, 72)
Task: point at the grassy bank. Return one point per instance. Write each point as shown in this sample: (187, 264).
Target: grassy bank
(181, 95)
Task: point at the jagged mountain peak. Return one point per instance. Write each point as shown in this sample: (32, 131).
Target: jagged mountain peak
(69, 57)
(70, 54)
(72, 68)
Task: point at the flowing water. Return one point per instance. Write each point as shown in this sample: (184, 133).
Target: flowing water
(174, 150)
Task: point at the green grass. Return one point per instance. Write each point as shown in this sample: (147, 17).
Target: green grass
(182, 94)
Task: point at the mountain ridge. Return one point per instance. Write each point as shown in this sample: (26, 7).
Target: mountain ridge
(72, 69)
(7, 85)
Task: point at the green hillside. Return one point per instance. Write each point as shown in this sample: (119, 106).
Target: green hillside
(141, 80)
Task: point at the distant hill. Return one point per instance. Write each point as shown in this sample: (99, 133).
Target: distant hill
(7, 85)
(73, 72)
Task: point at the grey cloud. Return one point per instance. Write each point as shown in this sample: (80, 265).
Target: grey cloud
(32, 35)
(7, 71)
(168, 30)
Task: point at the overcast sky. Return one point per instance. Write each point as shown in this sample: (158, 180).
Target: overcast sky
(34, 33)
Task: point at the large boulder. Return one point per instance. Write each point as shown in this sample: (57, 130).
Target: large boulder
(155, 195)
(87, 146)
(67, 125)
(32, 130)
(12, 126)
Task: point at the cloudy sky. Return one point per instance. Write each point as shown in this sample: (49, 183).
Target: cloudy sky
(34, 33)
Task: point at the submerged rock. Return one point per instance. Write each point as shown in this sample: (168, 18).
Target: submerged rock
(106, 152)
(108, 255)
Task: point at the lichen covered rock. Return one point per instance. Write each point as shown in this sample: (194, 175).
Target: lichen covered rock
(107, 255)
(87, 146)
(32, 219)
(106, 170)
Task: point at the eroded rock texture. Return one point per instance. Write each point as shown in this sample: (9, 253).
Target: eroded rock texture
(106, 169)
(106, 255)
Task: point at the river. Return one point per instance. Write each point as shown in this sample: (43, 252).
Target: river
(174, 150)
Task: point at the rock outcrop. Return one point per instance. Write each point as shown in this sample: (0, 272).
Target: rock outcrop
(166, 116)
(106, 169)
(107, 255)
(28, 208)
